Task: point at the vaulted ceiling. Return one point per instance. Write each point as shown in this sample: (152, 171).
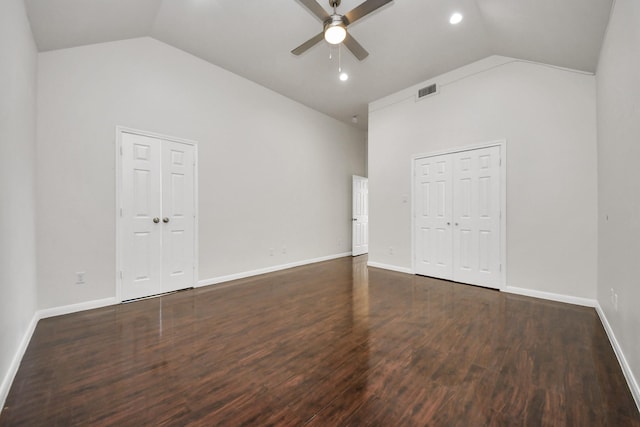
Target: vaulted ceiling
(409, 41)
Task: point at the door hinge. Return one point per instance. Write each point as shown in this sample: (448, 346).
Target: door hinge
(120, 211)
(121, 275)
(500, 162)
(500, 267)
(121, 150)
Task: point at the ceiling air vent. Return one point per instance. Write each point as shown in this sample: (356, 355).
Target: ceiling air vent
(427, 91)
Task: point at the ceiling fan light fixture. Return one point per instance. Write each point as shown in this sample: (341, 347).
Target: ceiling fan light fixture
(334, 30)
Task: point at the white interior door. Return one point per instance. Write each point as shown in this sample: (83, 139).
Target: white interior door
(140, 213)
(433, 212)
(178, 216)
(476, 232)
(457, 216)
(157, 216)
(360, 218)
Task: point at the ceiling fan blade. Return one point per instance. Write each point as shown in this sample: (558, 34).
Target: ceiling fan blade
(315, 8)
(308, 44)
(364, 9)
(355, 47)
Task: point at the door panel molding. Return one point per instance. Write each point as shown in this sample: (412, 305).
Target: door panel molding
(457, 154)
(120, 224)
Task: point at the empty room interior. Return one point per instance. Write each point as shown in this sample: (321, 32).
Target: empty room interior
(301, 212)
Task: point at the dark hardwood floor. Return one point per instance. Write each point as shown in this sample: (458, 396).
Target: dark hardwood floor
(334, 343)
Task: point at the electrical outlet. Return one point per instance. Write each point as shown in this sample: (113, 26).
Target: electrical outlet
(284, 249)
(271, 251)
(80, 277)
(390, 250)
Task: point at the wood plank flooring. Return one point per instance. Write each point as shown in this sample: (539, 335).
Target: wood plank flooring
(333, 343)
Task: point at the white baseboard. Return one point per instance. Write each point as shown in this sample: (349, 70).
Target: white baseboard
(5, 386)
(245, 274)
(15, 362)
(390, 267)
(626, 369)
(74, 308)
(586, 302)
(42, 314)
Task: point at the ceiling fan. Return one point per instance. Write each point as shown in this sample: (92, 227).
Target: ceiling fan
(335, 25)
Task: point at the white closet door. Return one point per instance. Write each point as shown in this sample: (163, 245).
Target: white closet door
(178, 216)
(141, 226)
(433, 212)
(476, 217)
(157, 228)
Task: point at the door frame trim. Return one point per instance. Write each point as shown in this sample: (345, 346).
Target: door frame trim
(118, 199)
(502, 143)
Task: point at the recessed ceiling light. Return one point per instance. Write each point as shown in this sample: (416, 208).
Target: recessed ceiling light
(344, 77)
(456, 18)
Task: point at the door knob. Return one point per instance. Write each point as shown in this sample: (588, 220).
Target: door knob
(165, 220)
(354, 219)
(156, 220)
(448, 223)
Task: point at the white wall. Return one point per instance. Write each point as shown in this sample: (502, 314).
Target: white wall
(273, 173)
(547, 117)
(17, 191)
(618, 85)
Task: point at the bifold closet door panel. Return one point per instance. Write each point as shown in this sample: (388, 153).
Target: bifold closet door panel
(178, 216)
(141, 212)
(433, 212)
(476, 217)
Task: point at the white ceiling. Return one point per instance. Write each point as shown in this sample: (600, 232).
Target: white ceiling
(409, 41)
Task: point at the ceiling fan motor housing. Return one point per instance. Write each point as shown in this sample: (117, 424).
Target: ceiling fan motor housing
(334, 3)
(335, 20)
